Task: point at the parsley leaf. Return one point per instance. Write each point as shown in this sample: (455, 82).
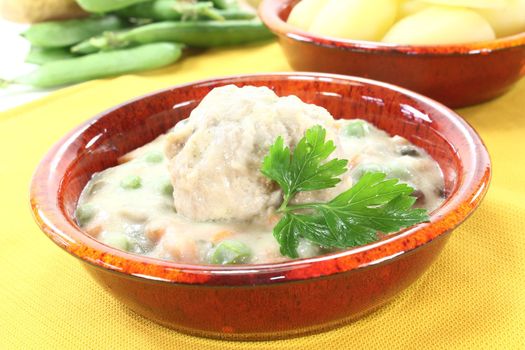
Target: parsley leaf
(305, 170)
(374, 204)
(287, 234)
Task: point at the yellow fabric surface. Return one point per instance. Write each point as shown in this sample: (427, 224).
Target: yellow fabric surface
(471, 298)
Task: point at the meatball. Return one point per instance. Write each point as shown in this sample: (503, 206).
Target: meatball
(216, 154)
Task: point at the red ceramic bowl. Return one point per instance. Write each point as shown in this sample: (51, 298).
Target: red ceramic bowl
(456, 75)
(273, 300)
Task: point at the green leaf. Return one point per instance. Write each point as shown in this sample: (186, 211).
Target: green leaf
(307, 172)
(353, 218)
(372, 205)
(276, 165)
(372, 189)
(286, 233)
(306, 169)
(331, 231)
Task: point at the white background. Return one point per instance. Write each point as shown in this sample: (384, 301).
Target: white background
(12, 56)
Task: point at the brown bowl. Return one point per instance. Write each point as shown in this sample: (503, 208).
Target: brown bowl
(456, 75)
(273, 300)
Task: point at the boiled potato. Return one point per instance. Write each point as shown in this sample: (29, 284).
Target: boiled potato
(469, 3)
(439, 25)
(39, 10)
(506, 20)
(410, 7)
(304, 13)
(356, 19)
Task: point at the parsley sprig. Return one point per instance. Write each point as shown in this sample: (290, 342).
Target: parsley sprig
(374, 204)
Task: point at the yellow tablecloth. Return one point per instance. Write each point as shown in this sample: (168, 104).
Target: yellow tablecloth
(473, 296)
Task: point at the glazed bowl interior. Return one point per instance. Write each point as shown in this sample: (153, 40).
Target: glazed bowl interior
(275, 14)
(97, 145)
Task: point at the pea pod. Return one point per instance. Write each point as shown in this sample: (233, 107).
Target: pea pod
(225, 4)
(102, 65)
(102, 6)
(198, 34)
(174, 10)
(165, 10)
(236, 13)
(39, 55)
(70, 32)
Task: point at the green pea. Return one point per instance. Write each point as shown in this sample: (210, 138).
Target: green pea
(357, 128)
(70, 32)
(362, 169)
(116, 240)
(398, 171)
(104, 64)
(231, 252)
(198, 34)
(307, 249)
(131, 182)
(40, 55)
(154, 157)
(102, 6)
(166, 187)
(84, 213)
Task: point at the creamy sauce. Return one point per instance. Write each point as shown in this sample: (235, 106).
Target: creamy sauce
(180, 196)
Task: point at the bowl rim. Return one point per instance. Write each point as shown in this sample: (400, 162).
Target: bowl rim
(47, 212)
(269, 11)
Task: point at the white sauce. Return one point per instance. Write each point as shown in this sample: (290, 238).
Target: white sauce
(181, 195)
